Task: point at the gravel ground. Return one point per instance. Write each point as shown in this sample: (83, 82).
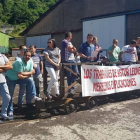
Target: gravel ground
(111, 120)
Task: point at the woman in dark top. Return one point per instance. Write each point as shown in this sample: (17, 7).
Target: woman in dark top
(53, 58)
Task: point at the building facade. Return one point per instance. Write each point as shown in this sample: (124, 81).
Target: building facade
(85, 16)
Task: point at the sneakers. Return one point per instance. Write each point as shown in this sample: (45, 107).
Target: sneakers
(48, 95)
(11, 116)
(36, 99)
(1, 122)
(7, 118)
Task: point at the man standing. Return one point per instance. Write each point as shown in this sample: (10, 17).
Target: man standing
(114, 51)
(38, 67)
(4, 92)
(97, 48)
(138, 47)
(67, 56)
(22, 87)
(86, 50)
(21, 74)
(129, 52)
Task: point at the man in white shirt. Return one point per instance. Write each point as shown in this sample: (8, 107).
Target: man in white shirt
(129, 52)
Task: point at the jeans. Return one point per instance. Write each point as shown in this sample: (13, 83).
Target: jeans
(30, 90)
(71, 78)
(54, 79)
(4, 92)
(22, 89)
(37, 81)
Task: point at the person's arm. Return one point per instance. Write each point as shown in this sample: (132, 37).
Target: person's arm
(27, 73)
(136, 57)
(1, 70)
(41, 67)
(81, 51)
(41, 64)
(59, 60)
(50, 61)
(7, 66)
(84, 56)
(110, 52)
(99, 50)
(20, 76)
(72, 50)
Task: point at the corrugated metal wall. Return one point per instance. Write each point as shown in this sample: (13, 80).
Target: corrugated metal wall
(38, 41)
(106, 29)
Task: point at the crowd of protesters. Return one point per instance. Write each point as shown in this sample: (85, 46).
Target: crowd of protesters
(27, 69)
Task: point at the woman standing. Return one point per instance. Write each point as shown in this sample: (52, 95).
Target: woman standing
(53, 58)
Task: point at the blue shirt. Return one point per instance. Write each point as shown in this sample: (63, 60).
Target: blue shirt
(87, 50)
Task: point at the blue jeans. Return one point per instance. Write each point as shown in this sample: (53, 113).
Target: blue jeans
(4, 92)
(30, 90)
(22, 89)
(71, 78)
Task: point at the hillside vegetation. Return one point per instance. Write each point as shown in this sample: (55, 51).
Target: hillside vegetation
(22, 13)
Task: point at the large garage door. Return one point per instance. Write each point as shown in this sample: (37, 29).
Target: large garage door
(39, 41)
(106, 29)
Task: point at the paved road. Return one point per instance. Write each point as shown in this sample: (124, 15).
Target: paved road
(112, 121)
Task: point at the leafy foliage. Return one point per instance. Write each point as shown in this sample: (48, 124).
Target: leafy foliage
(17, 12)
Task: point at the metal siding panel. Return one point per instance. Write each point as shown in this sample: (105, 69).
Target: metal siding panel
(44, 40)
(38, 41)
(106, 30)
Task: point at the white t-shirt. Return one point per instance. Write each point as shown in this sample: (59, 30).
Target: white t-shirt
(129, 53)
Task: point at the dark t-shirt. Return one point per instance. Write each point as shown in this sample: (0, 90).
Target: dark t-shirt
(138, 52)
(37, 60)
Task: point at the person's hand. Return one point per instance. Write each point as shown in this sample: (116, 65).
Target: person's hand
(57, 66)
(33, 72)
(34, 65)
(98, 50)
(114, 45)
(89, 58)
(75, 50)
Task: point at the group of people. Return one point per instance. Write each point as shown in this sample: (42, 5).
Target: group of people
(128, 53)
(27, 72)
(27, 69)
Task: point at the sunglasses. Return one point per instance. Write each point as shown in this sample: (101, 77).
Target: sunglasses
(24, 49)
(49, 42)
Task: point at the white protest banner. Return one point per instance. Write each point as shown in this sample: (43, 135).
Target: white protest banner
(103, 80)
